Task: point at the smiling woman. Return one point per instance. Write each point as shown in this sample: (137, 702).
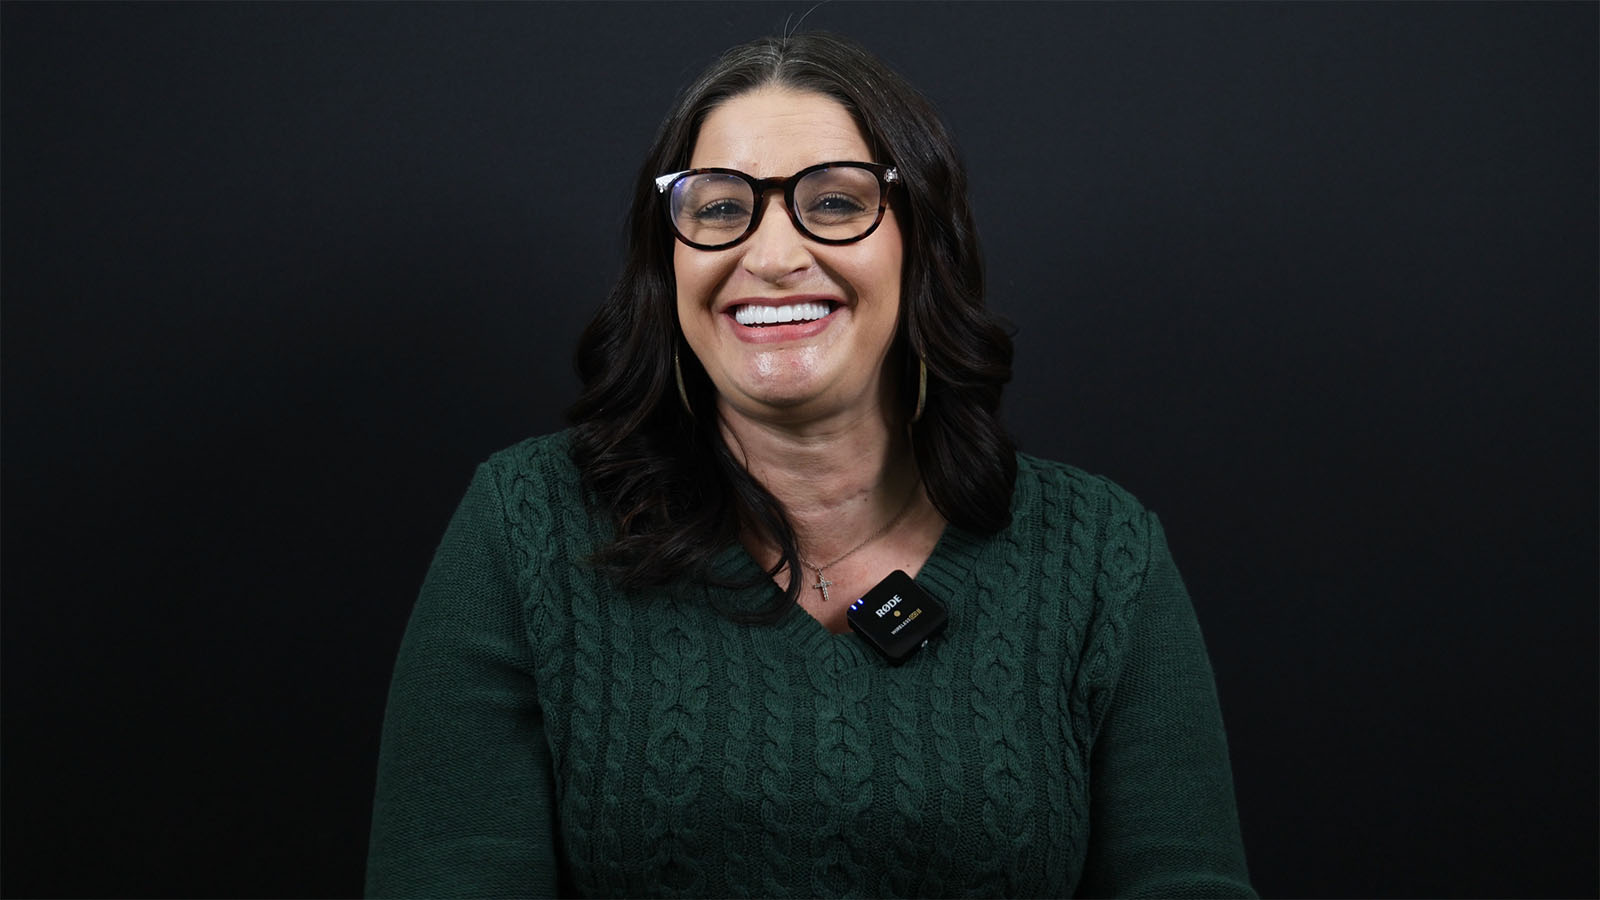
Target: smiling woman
(822, 377)
(629, 671)
(732, 303)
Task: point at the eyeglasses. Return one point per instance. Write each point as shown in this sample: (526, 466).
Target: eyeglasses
(831, 203)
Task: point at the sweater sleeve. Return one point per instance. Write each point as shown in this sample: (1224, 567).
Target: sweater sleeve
(1163, 822)
(463, 804)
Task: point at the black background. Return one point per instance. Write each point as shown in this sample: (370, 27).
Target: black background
(1318, 282)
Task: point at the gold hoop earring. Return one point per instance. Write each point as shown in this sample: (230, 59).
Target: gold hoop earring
(922, 390)
(683, 395)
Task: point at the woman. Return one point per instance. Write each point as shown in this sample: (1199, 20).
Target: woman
(630, 669)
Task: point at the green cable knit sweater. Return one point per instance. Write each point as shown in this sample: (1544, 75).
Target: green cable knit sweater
(548, 734)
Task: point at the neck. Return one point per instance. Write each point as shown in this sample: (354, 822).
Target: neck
(838, 480)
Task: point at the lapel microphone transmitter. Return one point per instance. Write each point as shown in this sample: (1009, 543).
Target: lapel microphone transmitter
(897, 617)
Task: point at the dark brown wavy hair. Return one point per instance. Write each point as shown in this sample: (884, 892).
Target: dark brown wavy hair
(674, 493)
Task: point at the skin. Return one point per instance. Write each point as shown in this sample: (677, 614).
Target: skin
(808, 407)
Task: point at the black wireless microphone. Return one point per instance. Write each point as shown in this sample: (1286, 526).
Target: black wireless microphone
(897, 617)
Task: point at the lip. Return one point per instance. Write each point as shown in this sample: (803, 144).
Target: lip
(792, 331)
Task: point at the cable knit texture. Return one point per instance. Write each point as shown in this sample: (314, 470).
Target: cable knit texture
(548, 734)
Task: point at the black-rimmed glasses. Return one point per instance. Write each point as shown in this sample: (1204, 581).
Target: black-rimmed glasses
(831, 203)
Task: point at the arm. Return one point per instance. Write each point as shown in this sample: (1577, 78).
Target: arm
(1162, 818)
(464, 793)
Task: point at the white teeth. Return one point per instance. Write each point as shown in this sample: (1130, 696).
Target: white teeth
(774, 315)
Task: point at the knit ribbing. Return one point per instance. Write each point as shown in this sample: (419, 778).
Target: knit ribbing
(843, 763)
(908, 793)
(738, 777)
(1053, 648)
(588, 696)
(947, 740)
(1118, 572)
(651, 746)
(674, 775)
(997, 701)
(614, 802)
(776, 825)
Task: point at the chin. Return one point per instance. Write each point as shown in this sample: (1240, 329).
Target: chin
(775, 398)
(773, 380)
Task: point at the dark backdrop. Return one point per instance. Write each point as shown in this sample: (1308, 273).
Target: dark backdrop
(1317, 281)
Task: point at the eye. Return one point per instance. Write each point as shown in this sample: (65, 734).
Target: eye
(711, 202)
(721, 211)
(834, 206)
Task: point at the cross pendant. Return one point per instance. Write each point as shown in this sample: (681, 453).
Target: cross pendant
(822, 585)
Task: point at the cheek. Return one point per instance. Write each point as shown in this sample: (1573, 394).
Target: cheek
(680, 267)
(887, 278)
(894, 275)
(889, 268)
(689, 296)
(695, 275)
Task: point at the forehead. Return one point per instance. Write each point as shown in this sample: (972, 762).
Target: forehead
(778, 131)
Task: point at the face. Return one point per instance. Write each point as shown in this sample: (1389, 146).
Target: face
(811, 367)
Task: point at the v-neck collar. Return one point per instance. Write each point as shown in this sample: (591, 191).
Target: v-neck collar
(947, 575)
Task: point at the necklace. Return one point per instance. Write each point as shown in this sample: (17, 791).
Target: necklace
(822, 581)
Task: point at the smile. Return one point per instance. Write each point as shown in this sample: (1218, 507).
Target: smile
(751, 314)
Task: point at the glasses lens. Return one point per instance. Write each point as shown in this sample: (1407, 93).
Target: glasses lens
(711, 208)
(839, 203)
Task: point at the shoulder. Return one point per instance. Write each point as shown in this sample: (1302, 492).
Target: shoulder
(1112, 553)
(543, 456)
(539, 492)
(1086, 497)
(537, 470)
(1103, 536)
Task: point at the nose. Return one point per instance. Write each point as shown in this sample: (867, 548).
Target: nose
(776, 250)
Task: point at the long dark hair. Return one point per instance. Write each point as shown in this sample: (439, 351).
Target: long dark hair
(674, 493)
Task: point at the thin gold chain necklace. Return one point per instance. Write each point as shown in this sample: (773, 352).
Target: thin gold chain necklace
(822, 582)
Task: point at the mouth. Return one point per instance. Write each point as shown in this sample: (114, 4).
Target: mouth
(753, 315)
